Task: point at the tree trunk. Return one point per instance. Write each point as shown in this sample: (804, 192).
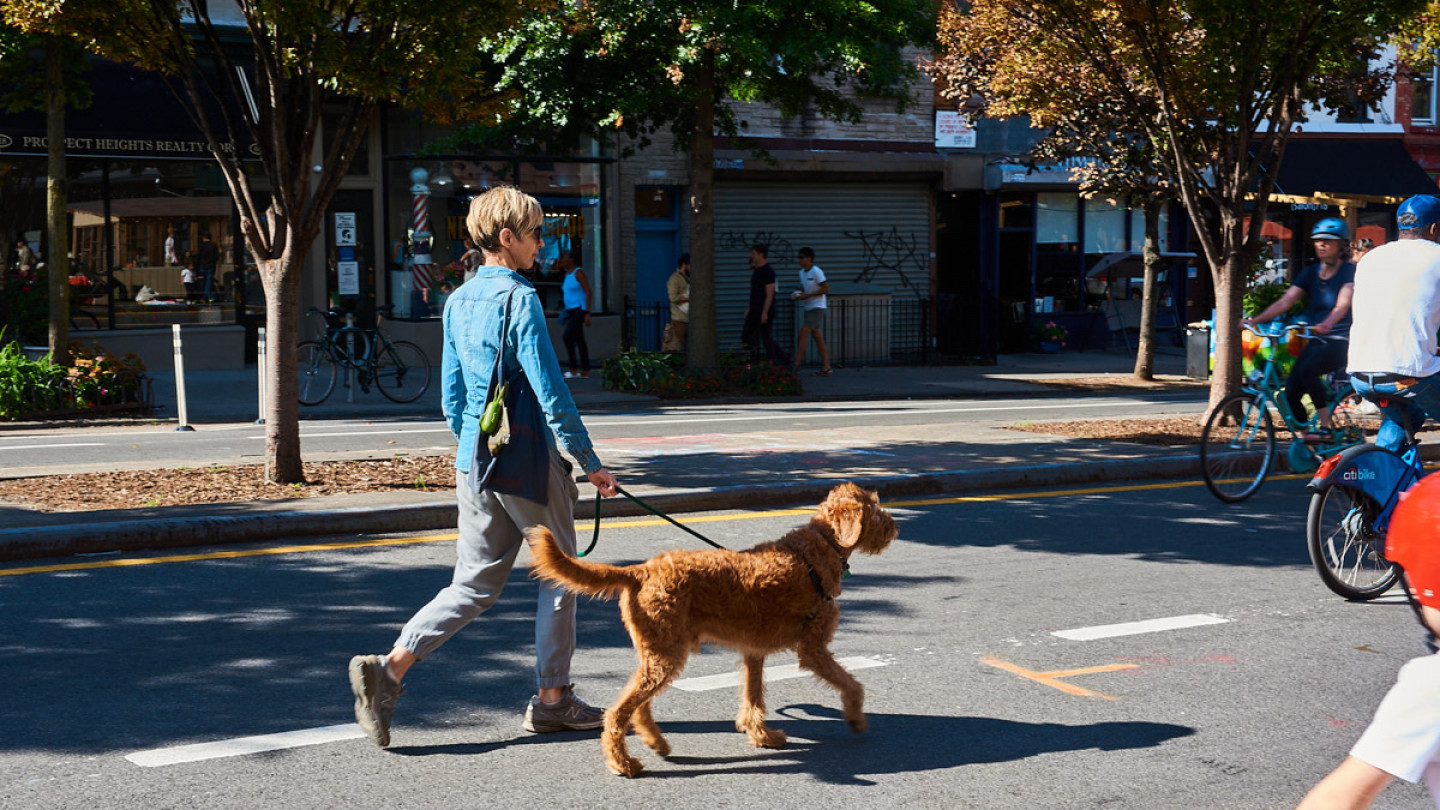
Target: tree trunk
(281, 278)
(1229, 309)
(57, 253)
(1150, 294)
(704, 343)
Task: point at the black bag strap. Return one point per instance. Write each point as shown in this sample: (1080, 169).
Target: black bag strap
(497, 376)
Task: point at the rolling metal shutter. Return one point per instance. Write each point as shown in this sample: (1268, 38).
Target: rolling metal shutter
(875, 233)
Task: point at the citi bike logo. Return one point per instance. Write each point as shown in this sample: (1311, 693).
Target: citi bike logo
(1359, 475)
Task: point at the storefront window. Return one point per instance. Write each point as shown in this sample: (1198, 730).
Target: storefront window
(427, 204)
(1137, 230)
(1016, 210)
(1057, 221)
(127, 271)
(1104, 227)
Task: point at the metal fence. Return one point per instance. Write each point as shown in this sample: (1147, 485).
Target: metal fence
(871, 330)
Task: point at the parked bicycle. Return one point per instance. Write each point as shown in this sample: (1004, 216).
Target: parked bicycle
(1237, 444)
(397, 367)
(1354, 494)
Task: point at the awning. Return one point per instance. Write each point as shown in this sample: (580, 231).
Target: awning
(1351, 168)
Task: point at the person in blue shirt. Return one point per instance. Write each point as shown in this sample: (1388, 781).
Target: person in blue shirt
(505, 224)
(1326, 287)
(576, 292)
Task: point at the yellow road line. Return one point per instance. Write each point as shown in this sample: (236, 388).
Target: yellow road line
(585, 525)
(224, 555)
(1052, 679)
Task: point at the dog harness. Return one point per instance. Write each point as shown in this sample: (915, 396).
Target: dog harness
(815, 579)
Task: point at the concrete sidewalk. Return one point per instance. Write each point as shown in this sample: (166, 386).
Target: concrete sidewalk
(229, 396)
(781, 466)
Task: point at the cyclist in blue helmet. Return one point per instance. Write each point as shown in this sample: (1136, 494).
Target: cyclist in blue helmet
(1326, 288)
(1397, 312)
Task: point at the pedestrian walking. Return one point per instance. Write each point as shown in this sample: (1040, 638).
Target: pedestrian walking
(575, 290)
(1403, 741)
(760, 312)
(494, 332)
(813, 290)
(677, 288)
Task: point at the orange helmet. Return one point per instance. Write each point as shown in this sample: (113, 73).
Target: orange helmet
(1413, 539)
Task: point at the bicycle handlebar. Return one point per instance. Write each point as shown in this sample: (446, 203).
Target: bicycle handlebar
(1303, 328)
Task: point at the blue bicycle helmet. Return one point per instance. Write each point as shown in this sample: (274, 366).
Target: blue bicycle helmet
(1331, 228)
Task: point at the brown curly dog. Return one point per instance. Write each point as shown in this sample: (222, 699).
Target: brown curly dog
(776, 596)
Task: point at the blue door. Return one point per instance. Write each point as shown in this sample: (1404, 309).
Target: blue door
(657, 240)
(657, 247)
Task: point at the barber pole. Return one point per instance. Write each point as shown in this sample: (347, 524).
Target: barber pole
(420, 229)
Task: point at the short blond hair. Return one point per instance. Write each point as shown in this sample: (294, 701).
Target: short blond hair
(497, 209)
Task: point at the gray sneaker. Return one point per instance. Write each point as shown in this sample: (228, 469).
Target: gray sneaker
(375, 696)
(570, 714)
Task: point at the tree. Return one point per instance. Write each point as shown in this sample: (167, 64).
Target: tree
(977, 64)
(1219, 86)
(53, 88)
(345, 55)
(609, 67)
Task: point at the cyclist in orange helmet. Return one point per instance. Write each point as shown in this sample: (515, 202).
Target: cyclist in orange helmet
(1404, 738)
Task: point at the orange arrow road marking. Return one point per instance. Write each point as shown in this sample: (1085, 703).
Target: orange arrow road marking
(1053, 678)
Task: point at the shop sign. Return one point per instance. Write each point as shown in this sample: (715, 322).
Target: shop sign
(81, 146)
(345, 231)
(953, 131)
(348, 277)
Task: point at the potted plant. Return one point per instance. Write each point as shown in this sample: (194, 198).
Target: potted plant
(1051, 337)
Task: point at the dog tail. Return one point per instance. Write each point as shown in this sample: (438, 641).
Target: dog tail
(594, 579)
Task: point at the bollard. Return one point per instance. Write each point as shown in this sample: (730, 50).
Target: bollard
(260, 367)
(350, 341)
(180, 381)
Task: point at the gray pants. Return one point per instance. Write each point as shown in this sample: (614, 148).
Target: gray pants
(490, 528)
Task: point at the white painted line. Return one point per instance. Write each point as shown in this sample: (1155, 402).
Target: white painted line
(732, 679)
(1135, 628)
(901, 412)
(159, 757)
(48, 446)
(386, 432)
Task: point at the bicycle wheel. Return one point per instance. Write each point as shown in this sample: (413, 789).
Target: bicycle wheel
(349, 348)
(1237, 447)
(315, 369)
(1347, 551)
(402, 371)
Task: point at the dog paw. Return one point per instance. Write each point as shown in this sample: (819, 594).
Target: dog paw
(765, 737)
(858, 724)
(629, 767)
(660, 746)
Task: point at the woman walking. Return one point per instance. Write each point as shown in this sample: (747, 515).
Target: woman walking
(576, 292)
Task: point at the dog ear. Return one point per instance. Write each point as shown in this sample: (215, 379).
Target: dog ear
(848, 520)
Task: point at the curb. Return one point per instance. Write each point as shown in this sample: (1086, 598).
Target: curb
(82, 538)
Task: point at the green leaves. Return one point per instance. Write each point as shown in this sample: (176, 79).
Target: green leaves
(633, 66)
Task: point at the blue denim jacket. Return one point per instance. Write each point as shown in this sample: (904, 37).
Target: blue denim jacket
(473, 315)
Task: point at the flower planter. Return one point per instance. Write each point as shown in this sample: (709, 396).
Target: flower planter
(1049, 347)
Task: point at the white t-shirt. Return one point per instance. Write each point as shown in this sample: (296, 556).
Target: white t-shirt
(810, 281)
(1404, 738)
(1396, 309)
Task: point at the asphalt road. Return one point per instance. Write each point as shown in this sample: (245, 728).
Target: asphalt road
(63, 450)
(1259, 684)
